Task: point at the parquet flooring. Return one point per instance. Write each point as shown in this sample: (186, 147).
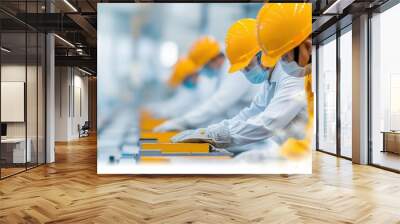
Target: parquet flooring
(70, 191)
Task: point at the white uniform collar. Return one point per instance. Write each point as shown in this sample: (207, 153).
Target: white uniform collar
(277, 73)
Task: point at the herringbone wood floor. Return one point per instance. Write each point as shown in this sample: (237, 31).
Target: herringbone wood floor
(70, 191)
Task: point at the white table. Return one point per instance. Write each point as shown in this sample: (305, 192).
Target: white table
(18, 149)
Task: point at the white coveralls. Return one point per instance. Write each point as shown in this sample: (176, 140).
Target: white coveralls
(234, 93)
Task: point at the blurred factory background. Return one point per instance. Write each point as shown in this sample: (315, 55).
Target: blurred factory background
(60, 58)
(149, 40)
(139, 45)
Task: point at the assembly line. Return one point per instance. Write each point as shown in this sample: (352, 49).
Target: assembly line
(247, 102)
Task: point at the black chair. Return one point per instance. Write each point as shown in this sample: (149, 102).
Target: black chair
(84, 130)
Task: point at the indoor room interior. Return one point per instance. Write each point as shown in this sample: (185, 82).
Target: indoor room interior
(50, 123)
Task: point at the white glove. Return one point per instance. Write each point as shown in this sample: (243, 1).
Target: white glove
(182, 135)
(217, 135)
(170, 125)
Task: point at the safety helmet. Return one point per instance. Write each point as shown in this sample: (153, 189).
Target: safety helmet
(203, 50)
(241, 43)
(182, 69)
(282, 27)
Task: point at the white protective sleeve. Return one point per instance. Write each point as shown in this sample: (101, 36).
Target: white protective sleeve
(256, 106)
(179, 104)
(287, 102)
(231, 91)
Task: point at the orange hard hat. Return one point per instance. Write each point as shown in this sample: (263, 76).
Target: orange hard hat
(241, 43)
(203, 50)
(282, 27)
(182, 69)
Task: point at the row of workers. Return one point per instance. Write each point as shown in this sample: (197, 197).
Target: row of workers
(271, 102)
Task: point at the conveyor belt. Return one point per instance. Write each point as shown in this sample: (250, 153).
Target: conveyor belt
(156, 137)
(157, 147)
(128, 139)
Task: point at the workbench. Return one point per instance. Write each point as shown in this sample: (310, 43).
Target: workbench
(158, 148)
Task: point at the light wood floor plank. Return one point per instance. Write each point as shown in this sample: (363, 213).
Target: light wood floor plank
(70, 191)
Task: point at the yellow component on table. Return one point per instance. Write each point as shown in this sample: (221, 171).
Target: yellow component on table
(166, 148)
(149, 123)
(167, 159)
(160, 137)
(154, 159)
(207, 157)
(144, 114)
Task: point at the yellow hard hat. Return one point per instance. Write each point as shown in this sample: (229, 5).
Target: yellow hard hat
(203, 50)
(282, 27)
(182, 69)
(241, 43)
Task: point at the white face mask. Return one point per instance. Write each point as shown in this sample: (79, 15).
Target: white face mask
(256, 74)
(293, 69)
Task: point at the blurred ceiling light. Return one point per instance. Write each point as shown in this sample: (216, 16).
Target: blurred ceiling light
(70, 5)
(168, 53)
(5, 50)
(65, 41)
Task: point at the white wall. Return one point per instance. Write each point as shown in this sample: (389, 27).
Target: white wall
(62, 81)
(33, 126)
(70, 83)
(12, 73)
(79, 117)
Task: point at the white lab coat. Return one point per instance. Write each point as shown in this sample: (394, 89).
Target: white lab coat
(234, 93)
(180, 103)
(186, 99)
(206, 86)
(278, 111)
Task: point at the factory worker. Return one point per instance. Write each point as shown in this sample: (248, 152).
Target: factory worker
(235, 91)
(184, 79)
(208, 62)
(207, 59)
(294, 46)
(280, 110)
(206, 54)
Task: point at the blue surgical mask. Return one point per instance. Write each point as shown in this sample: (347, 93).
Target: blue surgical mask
(256, 75)
(189, 83)
(293, 69)
(209, 72)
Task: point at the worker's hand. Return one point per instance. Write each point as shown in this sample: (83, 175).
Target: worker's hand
(170, 125)
(182, 136)
(216, 135)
